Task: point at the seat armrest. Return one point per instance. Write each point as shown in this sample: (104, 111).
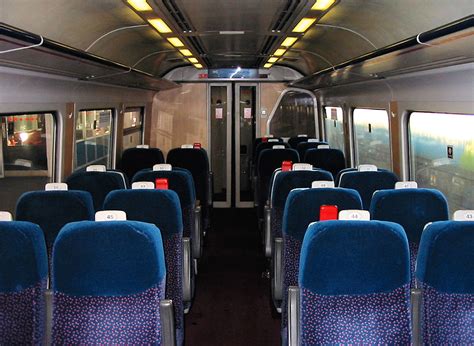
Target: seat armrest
(277, 279)
(293, 316)
(210, 178)
(187, 270)
(197, 235)
(268, 230)
(416, 302)
(168, 336)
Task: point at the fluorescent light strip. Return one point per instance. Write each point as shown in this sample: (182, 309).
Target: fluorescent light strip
(304, 24)
(176, 42)
(140, 5)
(288, 42)
(198, 66)
(186, 52)
(193, 60)
(272, 60)
(267, 65)
(322, 5)
(160, 25)
(279, 52)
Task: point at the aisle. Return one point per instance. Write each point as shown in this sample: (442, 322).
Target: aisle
(232, 305)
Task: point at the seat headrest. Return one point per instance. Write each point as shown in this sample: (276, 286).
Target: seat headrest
(187, 146)
(163, 167)
(463, 215)
(406, 185)
(323, 146)
(110, 215)
(322, 184)
(302, 167)
(367, 168)
(278, 147)
(107, 258)
(379, 259)
(96, 168)
(143, 146)
(5, 216)
(143, 185)
(445, 258)
(354, 215)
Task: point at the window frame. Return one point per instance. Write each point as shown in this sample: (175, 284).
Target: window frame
(354, 136)
(131, 130)
(323, 122)
(113, 136)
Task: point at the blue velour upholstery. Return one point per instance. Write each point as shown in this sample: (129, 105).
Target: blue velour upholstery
(268, 161)
(302, 208)
(283, 183)
(263, 146)
(257, 141)
(23, 274)
(180, 181)
(411, 208)
(304, 146)
(446, 257)
(51, 210)
(354, 279)
(366, 183)
(294, 141)
(445, 271)
(23, 256)
(98, 184)
(331, 160)
(108, 281)
(136, 159)
(354, 257)
(107, 258)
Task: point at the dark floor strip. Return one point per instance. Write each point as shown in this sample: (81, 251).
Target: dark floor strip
(232, 304)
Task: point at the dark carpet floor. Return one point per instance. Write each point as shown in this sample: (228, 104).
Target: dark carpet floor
(232, 305)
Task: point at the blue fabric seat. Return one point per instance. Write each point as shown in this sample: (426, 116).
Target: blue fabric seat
(23, 276)
(195, 161)
(257, 141)
(412, 209)
(366, 183)
(331, 160)
(98, 184)
(294, 141)
(52, 210)
(282, 185)
(445, 271)
(161, 208)
(136, 159)
(304, 146)
(180, 181)
(268, 161)
(354, 284)
(108, 281)
(261, 147)
(302, 208)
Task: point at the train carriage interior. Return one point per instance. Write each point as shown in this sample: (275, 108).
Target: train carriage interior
(271, 172)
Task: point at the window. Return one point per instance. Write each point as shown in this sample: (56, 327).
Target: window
(442, 155)
(132, 127)
(295, 115)
(333, 124)
(372, 138)
(93, 138)
(26, 155)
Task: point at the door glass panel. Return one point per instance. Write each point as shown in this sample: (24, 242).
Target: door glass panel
(132, 127)
(219, 138)
(247, 110)
(26, 155)
(334, 126)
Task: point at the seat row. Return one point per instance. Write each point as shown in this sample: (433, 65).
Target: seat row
(353, 284)
(110, 284)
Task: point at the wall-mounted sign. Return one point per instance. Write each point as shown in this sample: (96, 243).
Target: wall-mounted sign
(219, 113)
(247, 113)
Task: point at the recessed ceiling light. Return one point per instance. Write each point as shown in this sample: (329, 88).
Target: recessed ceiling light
(160, 25)
(140, 5)
(279, 52)
(197, 65)
(288, 42)
(186, 52)
(272, 60)
(304, 24)
(267, 65)
(322, 5)
(193, 60)
(175, 41)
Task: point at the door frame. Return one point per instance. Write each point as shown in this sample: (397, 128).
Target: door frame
(228, 202)
(237, 85)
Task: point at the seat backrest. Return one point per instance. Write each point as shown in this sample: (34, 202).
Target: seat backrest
(51, 210)
(195, 161)
(302, 208)
(23, 276)
(108, 280)
(331, 160)
(263, 146)
(357, 272)
(303, 146)
(412, 209)
(366, 183)
(180, 181)
(161, 208)
(98, 184)
(445, 269)
(282, 185)
(294, 141)
(136, 159)
(268, 161)
(257, 141)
